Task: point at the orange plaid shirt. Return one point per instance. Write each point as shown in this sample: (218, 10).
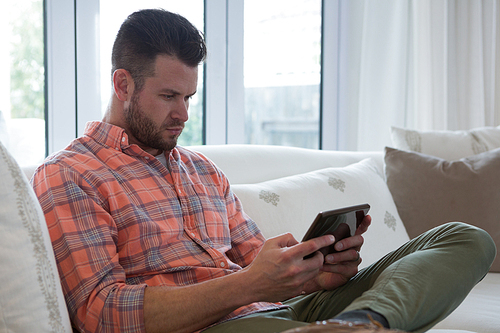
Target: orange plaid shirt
(119, 221)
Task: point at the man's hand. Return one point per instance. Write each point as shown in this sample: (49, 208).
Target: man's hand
(340, 267)
(280, 271)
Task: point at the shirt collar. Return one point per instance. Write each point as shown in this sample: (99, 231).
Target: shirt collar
(113, 137)
(107, 134)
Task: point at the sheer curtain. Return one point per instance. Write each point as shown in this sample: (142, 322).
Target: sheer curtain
(422, 64)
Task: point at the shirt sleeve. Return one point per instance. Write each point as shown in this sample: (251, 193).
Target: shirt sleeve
(84, 238)
(246, 237)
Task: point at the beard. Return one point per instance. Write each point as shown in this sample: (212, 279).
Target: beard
(145, 130)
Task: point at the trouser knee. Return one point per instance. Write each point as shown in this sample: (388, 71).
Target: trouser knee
(474, 238)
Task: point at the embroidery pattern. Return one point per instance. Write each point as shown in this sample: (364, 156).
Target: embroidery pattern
(336, 183)
(27, 211)
(414, 141)
(390, 221)
(269, 197)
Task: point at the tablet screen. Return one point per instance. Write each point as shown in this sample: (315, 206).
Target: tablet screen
(340, 223)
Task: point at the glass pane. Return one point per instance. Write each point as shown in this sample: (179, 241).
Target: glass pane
(282, 72)
(112, 16)
(22, 81)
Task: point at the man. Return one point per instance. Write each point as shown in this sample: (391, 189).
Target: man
(148, 236)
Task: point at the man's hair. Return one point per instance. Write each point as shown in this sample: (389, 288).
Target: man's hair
(148, 33)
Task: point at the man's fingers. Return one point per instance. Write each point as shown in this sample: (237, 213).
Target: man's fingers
(343, 257)
(346, 269)
(363, 226)
(297, 251)
(354, 242)
(312, 245)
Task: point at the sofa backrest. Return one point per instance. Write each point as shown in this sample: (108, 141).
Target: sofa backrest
(250, 164)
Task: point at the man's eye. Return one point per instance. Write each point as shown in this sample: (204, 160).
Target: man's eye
(168, 96)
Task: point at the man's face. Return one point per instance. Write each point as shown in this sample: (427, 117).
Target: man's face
(155, 116)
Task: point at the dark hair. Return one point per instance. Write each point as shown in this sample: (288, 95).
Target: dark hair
(148, 33)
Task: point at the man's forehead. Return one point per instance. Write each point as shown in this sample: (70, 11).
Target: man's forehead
(171, 72)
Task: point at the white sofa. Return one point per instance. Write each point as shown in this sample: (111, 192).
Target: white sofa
(282, 189)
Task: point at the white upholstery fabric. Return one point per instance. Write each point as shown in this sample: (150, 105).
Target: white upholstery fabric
(448, 331)
(31, 298)
(291, 203)
(480, 310)
(248, 164)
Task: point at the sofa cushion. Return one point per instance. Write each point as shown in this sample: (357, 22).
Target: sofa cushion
(429, 191)
(31, 297)
(291, 203)
(449, 145)
(479, 311)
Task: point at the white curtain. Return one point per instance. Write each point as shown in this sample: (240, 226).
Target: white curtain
(421, 64)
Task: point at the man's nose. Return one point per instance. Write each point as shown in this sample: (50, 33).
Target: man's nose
(181, 111)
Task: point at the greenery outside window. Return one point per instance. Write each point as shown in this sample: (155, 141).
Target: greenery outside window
(22, 81)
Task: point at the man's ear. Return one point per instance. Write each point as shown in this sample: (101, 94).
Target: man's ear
(123, 84)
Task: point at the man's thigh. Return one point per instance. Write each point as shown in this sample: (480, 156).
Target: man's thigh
(324, 305)
(301, 311)
(262, 322)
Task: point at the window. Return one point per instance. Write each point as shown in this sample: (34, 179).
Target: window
(22, 81)
(298, 72)
(263, 81)
(112, 16)
(282, 72)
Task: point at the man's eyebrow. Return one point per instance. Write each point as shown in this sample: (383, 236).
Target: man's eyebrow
(175, 92)
(169, 91)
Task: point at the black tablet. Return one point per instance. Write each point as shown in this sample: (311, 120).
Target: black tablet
(340, 223)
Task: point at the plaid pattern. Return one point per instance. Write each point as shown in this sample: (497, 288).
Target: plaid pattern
(120, 221)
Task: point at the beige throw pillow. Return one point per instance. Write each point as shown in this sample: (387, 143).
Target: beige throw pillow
(429, 191)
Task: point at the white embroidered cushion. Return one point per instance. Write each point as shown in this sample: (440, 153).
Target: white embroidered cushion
(31, 298)
(291, 203)
(448, 145)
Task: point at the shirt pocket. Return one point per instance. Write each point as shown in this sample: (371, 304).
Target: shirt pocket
(210, 215)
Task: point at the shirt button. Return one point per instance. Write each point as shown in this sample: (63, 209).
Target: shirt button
(222, 264)
(123, 139)
(193, 235)
(147, 157)
(117, 148)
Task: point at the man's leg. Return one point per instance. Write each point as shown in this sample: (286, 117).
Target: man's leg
(417, 285)
(413, 287)
(264, 322)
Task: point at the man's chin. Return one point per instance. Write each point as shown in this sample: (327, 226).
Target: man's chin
(169, 144)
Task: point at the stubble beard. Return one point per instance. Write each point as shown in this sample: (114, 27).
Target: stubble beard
(145, 130)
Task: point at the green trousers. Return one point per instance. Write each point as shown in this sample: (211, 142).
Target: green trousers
(414, 287)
